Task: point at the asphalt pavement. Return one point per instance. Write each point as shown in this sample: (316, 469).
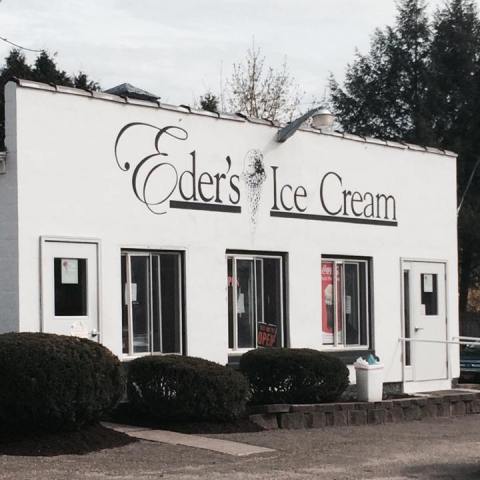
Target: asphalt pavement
(435, 449)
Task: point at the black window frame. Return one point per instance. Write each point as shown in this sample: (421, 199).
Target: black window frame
(182, 300)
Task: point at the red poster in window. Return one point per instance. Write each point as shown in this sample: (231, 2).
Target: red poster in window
(329, 301)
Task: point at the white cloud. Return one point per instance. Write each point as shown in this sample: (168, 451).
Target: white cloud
(175, 49)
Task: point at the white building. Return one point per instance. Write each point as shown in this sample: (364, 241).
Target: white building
(156, 229)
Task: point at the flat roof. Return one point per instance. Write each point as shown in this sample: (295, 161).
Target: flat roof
(237, 117)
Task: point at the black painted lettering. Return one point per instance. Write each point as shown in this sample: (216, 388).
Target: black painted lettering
(300, 192)
(356, 198)
(368, 211)
(275, 207)
(382, 204)
(192, 182)
(235, 188)
(346, 194)
(322, 196)
(284, 206)
(202, 183)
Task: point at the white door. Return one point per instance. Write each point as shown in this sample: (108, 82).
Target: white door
(425, 320)
(69, 275)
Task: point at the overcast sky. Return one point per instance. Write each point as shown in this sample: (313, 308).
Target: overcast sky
(178, 49)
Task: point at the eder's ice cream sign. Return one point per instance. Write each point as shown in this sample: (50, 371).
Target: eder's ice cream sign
(160, 182)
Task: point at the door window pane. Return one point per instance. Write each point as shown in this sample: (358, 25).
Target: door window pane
(406, 314)
(140, 303)
(429, 293)
(70, 278)
(245, 304)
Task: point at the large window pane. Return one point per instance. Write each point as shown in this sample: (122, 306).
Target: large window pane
(140, 303)
(231, 289)
(352, 312)
(272, 296)
(171, 303)
(156, 304)
(245, 303)
(70, 277)
(125, 286)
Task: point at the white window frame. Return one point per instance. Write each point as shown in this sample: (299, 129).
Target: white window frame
(254, 257)
(128, 254)
(337, 345)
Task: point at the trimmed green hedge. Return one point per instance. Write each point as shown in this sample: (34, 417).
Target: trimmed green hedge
(177, 388)
(55, 383)
(293, 375)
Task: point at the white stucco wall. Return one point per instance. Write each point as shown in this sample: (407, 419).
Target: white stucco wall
(69, 184)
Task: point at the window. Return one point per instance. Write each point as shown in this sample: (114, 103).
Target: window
(151, 302)
(429, 293)
(345, 302)
(255, 301)
(70, 277)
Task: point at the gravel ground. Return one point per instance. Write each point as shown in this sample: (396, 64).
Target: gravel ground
(446, 449)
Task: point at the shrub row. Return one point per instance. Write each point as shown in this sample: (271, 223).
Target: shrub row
(51, 383)
(293, 375)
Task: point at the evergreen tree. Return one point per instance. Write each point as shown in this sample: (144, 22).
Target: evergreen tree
(420, 83)
(455, 106)
(44, 70)
(81, 80)
(384, 91)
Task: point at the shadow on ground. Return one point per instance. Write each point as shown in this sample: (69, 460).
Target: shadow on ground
(88, 440)
(451, 471)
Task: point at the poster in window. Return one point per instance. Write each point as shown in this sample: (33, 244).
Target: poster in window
(331, 298)
(327, 302)
(69, 271)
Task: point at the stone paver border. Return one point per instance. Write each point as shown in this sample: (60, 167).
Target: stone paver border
(427, 405)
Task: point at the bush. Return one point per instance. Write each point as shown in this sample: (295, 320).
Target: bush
(55, 383)
(293, 375)
(176, 388)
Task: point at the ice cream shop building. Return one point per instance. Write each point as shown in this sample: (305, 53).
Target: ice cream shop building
(157, 229)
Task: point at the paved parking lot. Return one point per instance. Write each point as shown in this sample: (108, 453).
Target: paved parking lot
(442, 449)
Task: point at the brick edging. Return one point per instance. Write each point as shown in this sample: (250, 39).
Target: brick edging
(320, 415)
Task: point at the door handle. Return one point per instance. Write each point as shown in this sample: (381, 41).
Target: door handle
(417, 329)
(94, 333)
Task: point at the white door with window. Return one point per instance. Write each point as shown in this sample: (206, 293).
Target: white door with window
(69, 282)
(425, 320)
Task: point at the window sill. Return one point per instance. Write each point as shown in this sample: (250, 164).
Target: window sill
(347, 355)
(128, 358)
